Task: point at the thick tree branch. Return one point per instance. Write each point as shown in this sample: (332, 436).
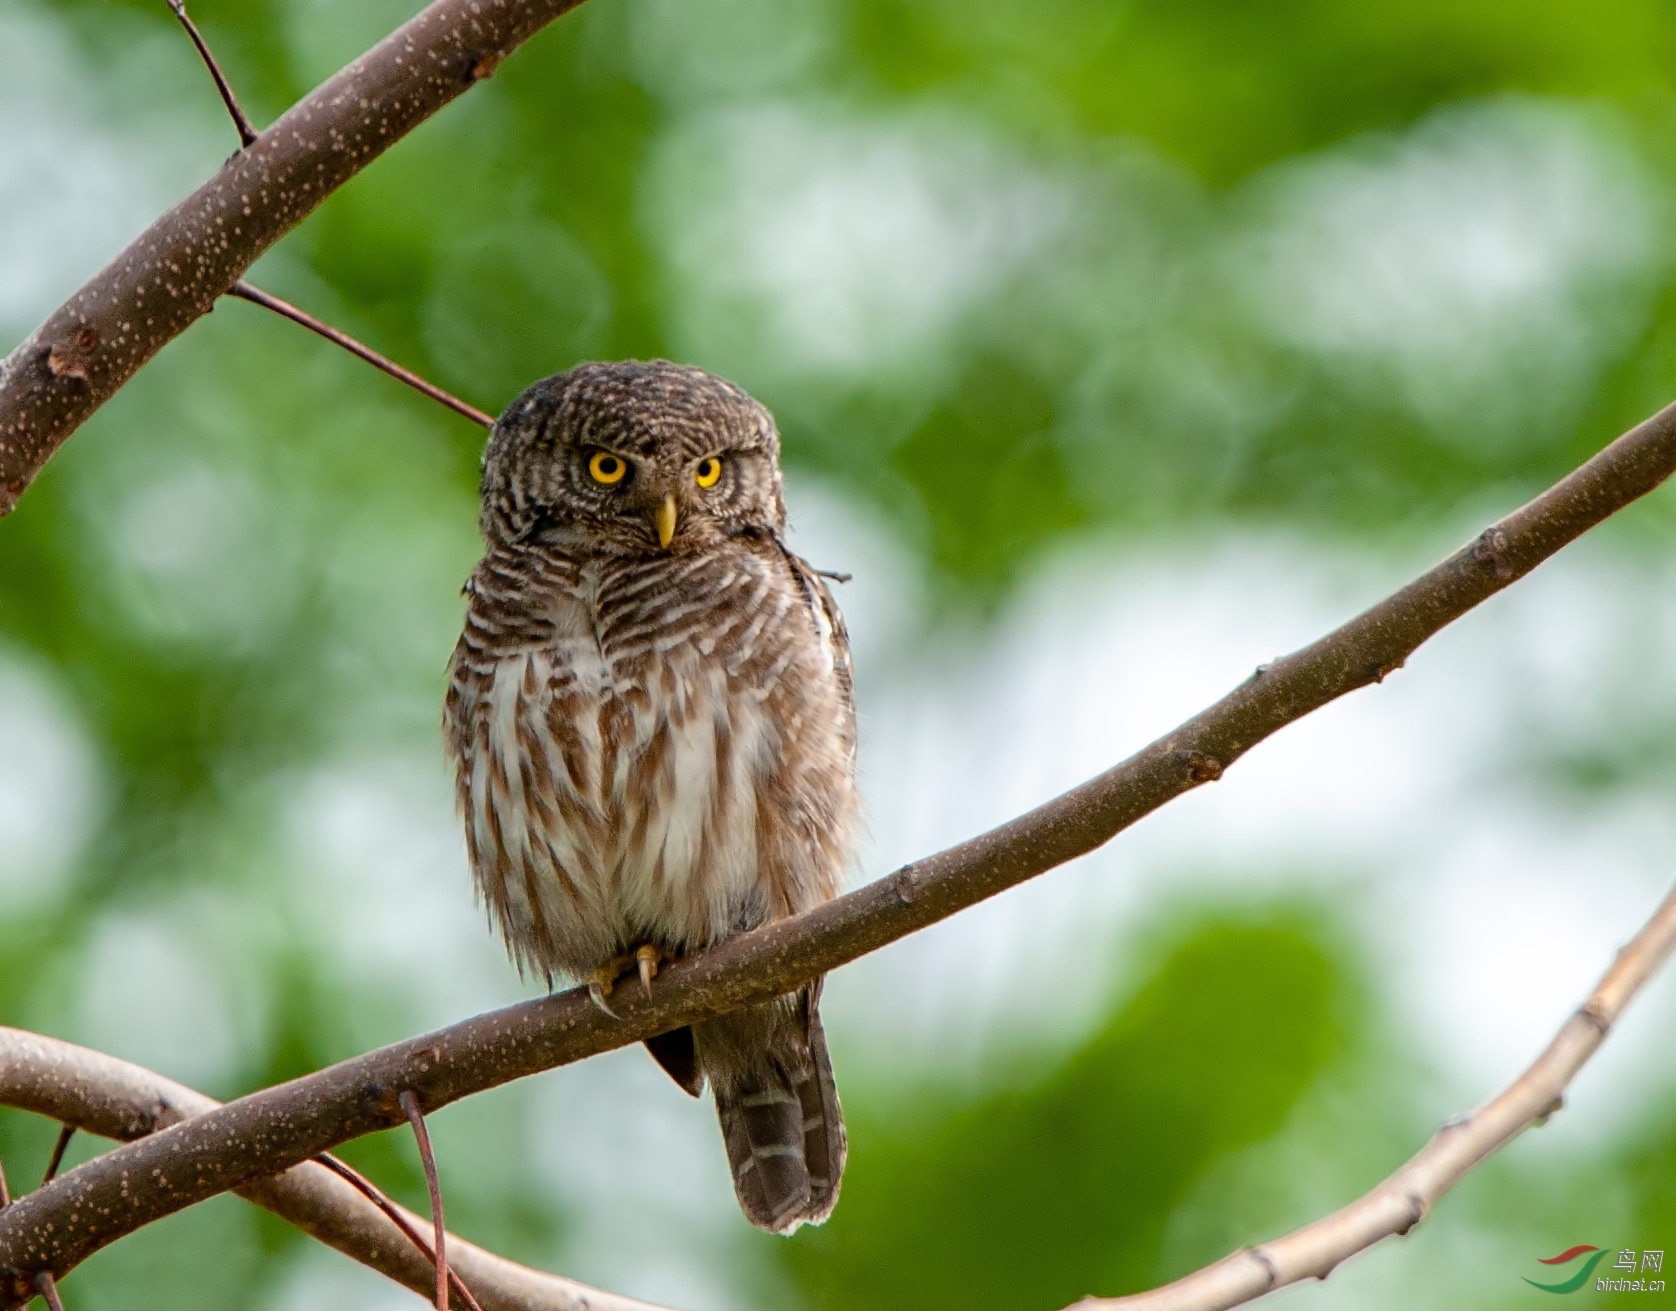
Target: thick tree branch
(114, 1099)
(1402, 1201)
(62, 1224)
(172, 274)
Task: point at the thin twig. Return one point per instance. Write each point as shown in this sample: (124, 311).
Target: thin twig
(374, 1194)
(113, 1098)
(1402, 1201)
(5, 1190)
(409, 1101)
(173, 272)
(44, 1281)
(274, 1129)
(256, 296)
(247, 133)
(65, 1133)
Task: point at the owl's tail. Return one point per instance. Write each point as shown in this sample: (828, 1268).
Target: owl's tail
(779, 1109)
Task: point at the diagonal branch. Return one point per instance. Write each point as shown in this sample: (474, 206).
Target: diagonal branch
(1402, 1201)
(399, 1217)
(285, 309)
(112, 1098)
(245, 291)
(241, 123)
(60, 1225)
(173, 272)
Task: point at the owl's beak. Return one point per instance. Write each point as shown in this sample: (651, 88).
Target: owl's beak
(664, 518)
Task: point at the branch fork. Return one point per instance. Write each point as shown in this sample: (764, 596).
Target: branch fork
(173, 273)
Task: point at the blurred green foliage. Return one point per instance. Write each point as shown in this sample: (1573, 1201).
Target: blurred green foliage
(951, 1203)
(1012, 275)
(516, 236)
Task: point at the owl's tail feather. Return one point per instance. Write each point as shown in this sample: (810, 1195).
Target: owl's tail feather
(677, 1052)
(778, 1105)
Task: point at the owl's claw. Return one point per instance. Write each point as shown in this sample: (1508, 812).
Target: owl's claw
(597, 993)
(648, 957)
(604, 979)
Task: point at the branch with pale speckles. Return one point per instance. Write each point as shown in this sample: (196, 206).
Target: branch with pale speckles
(174, 271)
(113, 1098)
(268, 1132)
(1402, 1201)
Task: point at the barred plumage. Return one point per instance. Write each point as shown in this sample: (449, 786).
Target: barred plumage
(650, 716)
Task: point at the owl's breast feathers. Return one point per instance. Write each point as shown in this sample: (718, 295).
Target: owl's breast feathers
(650, 749)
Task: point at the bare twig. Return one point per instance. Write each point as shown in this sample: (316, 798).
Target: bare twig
(65, 1133)
(173, 273)
(1402, 1201)
(409, 1102)
(398, 1217)
(103, 1095)
(277, 1128)
(247, 133)
(244, 291)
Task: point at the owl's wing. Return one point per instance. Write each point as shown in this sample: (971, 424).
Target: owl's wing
(829, 624)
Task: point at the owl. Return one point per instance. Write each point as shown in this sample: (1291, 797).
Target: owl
(650, 718)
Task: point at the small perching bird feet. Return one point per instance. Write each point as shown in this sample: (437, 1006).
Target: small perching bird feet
(644, 960)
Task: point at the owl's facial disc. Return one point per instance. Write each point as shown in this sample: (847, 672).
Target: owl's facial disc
(632, 458)
(640, 486)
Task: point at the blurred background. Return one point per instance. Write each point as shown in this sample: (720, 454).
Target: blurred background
(1118, 346)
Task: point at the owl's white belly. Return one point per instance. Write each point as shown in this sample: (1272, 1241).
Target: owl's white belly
(624, 802)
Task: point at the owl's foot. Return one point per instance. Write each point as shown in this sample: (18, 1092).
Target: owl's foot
(648, 956)
(603, 980)
(645, 960)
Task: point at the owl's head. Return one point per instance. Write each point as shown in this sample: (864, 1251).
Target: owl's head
(632, 458)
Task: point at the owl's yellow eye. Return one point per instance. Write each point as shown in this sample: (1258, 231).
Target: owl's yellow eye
(709, 472)
(607, 468)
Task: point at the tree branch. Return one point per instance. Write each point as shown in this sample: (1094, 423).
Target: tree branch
(62, 1224)
(1402, 1201)
(172, 274)
(112, 1098)
(241, 122)
(285, 309)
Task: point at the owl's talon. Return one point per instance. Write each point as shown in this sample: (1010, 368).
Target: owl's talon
(603, 980)
(597, 992)
(648, 957)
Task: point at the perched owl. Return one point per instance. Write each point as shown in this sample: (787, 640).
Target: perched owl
(651, 723)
